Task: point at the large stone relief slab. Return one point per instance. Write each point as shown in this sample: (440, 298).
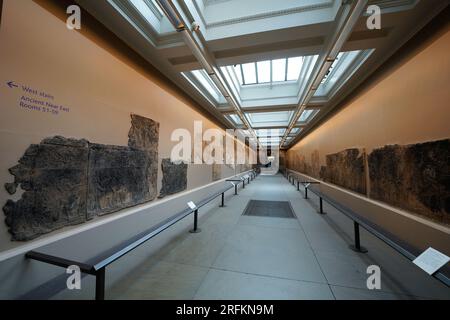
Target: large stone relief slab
(315, 164)
(298, 163)
(144, 135)
(117, 178)
(174, 177)
(346, 169)
(68, 181)
(53, 175)
(414, 177)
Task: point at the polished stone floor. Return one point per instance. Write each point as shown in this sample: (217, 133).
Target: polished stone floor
(247, 257)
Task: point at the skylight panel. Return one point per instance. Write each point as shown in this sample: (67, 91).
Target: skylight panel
(269, 119)
(237, 70)
(305, 115)
(158, 7)
(235, 118)
(269, 71)
(325, 79)
(263, 71)
(270, 140)
(145, 10)
(294, 67)
(208, 85)
(270, 132)
(249, 71)
(279, 70)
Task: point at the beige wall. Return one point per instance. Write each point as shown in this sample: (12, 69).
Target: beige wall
(99, 83)
(407, 105)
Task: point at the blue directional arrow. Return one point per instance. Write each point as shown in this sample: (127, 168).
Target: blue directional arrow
(11, 84)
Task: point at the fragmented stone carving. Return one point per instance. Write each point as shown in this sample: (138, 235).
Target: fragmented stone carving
(144, 135)
(414, 177)
(54, 177)
(174, 177)
(117, 178)
(68, 181)
(315, 164)
(346, 169)
(298, 163)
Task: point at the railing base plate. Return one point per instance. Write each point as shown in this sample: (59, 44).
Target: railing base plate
(360, 250)
(195, 231)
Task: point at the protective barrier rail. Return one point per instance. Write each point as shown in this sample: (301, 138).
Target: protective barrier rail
(97, 267)
(357, 222)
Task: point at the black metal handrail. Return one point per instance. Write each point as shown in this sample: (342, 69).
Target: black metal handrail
(242, 180)
(360, 221)
(97, 266)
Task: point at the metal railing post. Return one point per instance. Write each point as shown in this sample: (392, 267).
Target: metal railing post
(321, 205)
(306, 192)
(235, 189)
(357, 246)
(100, 284)
(298, 185)
(223, 199)
(196, 229)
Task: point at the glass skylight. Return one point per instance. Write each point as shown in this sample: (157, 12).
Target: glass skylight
(269, 119)
(238, 72)
(144, 9)
(263, 71)
(205, 85)
(342, 68)
(156, 5)
(152, 13)
(249, 71)
(307, 115)
(333, 66)
(294, 67)
(279, 70)
(271, 141)
(270, 132)
(235, 118)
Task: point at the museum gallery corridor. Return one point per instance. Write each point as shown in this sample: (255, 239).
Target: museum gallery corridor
(248, 257)
(225, 150)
